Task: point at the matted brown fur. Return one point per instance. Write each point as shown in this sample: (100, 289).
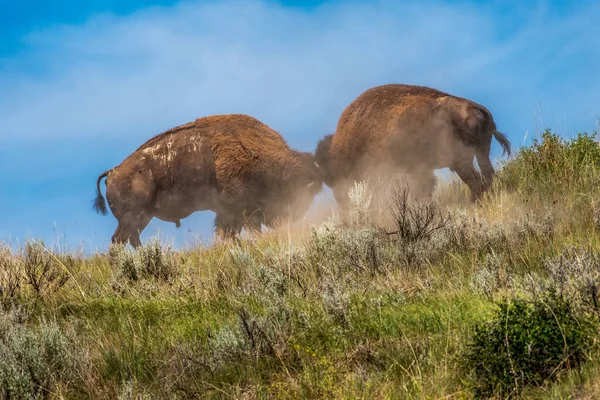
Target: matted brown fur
(231, 164)
(409, 129)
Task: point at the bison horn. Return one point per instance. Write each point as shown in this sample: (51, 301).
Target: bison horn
(310, 185)
(317, 164)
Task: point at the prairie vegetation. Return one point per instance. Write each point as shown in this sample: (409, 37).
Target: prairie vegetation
(402, 299)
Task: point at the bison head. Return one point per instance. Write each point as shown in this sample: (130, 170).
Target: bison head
(322, 158)
(302, 181)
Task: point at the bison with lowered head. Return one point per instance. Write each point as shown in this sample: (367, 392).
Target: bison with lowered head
(234, 165)
(413, 130)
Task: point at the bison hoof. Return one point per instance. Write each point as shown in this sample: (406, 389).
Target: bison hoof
(177, 224)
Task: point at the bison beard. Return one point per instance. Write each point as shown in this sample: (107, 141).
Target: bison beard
(233, 165)
(412, 130)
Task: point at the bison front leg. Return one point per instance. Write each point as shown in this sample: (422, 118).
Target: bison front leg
(423, 183)
(340, 194)
(228, 225)
(253, 222)
(129, 228)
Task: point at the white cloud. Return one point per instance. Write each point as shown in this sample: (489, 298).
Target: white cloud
(139, 74)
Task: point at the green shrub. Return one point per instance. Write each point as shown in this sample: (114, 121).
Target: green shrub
(553, 165)
(527, 343)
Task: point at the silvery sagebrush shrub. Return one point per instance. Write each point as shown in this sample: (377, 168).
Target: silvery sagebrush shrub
(241, 256)
(226, 345)
(466, 232)
(34, 359)
(151, 260)
(282, 267)
(574, 272)
(334, 248)
(493, 274)
(336, 297)
(359, 205)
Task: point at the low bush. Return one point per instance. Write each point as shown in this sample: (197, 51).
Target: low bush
(151, 260)
(34, 360)
(554, 166)
(528, 343)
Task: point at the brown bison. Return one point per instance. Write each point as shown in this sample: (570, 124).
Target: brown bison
(233, 165)
(410, 129)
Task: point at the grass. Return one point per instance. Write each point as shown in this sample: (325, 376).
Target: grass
(380, 303)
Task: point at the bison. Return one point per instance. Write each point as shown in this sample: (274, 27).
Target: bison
(233, 165)
(413, 129)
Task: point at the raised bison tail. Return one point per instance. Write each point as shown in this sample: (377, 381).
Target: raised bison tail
(504, 142)
(99, 203)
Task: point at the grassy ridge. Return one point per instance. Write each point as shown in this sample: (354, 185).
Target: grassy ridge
(371, 305)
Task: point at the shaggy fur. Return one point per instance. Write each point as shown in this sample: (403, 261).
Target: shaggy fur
(233, 165)
(410, 129)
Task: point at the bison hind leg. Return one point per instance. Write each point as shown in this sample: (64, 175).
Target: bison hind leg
(129, 228)
(469, 175)
(487, 171)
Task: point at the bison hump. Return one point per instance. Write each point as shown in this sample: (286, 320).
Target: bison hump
(246, 149)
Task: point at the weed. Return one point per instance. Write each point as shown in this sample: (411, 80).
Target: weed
(44, 272)
(416, 220)
(11, 280)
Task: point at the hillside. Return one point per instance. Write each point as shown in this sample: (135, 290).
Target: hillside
(400, 300)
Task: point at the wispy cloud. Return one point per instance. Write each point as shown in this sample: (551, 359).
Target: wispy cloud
(78, 99)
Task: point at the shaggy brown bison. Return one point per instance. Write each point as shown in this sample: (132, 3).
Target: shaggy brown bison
(233, 165)
(412, 129)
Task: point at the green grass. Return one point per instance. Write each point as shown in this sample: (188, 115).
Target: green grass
(331, 311)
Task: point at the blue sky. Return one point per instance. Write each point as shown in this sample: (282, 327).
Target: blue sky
(82, 84)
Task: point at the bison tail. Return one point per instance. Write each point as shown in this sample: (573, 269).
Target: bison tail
(99, 203)
(504, 142)
(491, 126)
